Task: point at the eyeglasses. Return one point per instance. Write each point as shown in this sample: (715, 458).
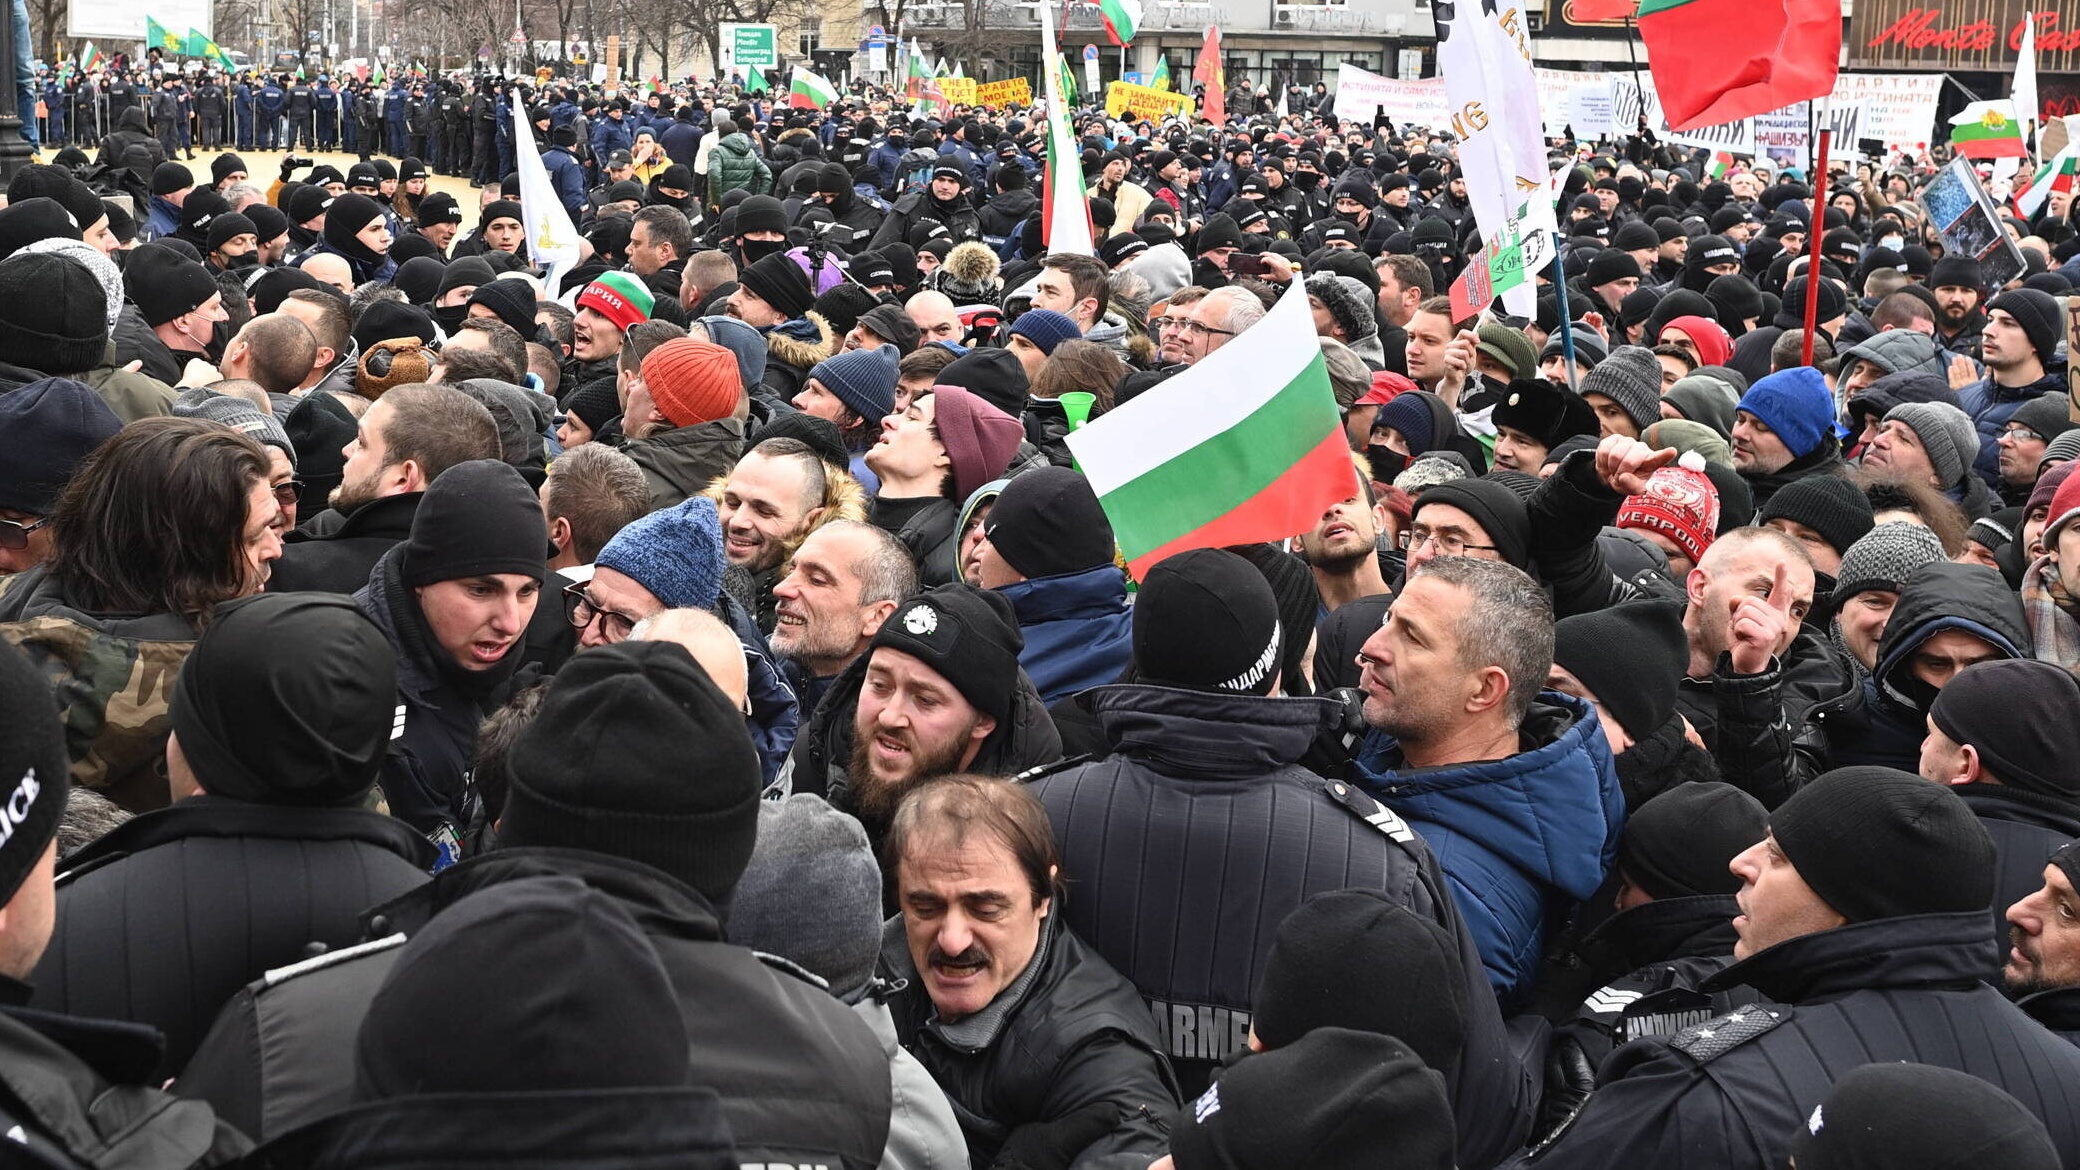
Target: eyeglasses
(581, 611)
(1450, 544)
(1190, 326)
(287, 491)
(15, 535)
(2020, 433)
(1161, 323)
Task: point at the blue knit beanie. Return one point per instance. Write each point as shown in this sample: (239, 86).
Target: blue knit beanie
(1795, 404)
(863, 379)
(1045, 328)
(742, 340)
(675, 553)
(1409, 415)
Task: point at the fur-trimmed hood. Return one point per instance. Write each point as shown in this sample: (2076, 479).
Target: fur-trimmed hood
(843, 499)
(793, 351)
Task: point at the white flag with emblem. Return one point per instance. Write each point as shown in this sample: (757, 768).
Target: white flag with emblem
(1491, 96)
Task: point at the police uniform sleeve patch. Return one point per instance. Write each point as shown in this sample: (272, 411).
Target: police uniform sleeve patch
(1716, 1037)
(1372, 812)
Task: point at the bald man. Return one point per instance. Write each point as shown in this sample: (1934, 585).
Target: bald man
(711, 643)
(936, 320)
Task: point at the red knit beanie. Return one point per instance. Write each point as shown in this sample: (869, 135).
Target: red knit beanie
(692, 382)
(1680, 503)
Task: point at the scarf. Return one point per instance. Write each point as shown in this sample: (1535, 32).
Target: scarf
(2050, 612)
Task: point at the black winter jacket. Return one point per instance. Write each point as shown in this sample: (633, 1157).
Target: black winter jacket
(335, 551)
(1729, 1094)
(1069, 1032)
(162, 920)
(1197, 836)
(802, 1079)
(2027, 828)
(77, 1092)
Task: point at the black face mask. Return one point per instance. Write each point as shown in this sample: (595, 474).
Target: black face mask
(451, 317)
(754, 251)
(220, 335)
(242, 261)
(1386, 462)
(1307, 180)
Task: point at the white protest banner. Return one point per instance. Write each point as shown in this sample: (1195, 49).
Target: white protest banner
(1359, 92)
(1897, 109)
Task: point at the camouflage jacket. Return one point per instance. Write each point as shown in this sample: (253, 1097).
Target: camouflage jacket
(114, 676)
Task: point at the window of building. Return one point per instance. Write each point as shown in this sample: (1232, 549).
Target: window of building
(811, 36)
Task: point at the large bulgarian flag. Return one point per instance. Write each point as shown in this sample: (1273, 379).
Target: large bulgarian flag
(1722, 60)
(808, 91)
(1065, 219)
(1987, 130)
(1122, 18)
(1245, 446)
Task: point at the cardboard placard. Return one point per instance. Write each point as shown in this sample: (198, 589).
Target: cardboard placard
(998, 94)
(958, 90)
(1138, 102)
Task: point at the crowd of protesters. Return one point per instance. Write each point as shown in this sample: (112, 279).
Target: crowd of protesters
(690, 709)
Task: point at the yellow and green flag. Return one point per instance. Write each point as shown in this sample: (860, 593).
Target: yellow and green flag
(156, 37)
(1162, 73)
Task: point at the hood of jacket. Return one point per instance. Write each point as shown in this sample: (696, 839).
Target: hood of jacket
(803, 354)
(1553, 809)
(1094, 592)
(1670, 928)
(686, 457)
(1956, 949)
(736, 144)
(661, 905)
(1165, 267)
(422, 667)
(1198, 735)
(1942, 597)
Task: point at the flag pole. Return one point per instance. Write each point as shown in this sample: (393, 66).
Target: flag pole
(1815, 229)
(1632, 51)
(1566, 326)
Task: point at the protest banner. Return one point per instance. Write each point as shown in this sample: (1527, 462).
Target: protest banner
(1139, 102)
(1359, 92)
(958, 90)
(998, 94)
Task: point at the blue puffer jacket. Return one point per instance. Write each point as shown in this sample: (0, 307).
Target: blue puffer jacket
(1991, 406)
(1521, 839)
(1077, 629)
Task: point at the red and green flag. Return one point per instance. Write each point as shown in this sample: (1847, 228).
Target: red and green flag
(809, 91)
(1988, 130)
(2062, 173)
(1722, 162)
(1122, 18)
(1245, 446)
(1721, 60)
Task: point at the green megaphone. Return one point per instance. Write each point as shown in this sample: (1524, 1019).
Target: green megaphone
(1077, 405)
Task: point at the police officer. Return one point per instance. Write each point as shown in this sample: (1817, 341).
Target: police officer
(454, 131)
(269, 122)
(209, 111)
(300, 113)
(325, 105)
(242, 111)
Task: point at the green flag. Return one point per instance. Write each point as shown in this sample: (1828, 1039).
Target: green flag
(1068, 75)
(1162, 73)
(156, 37)
(755, 80)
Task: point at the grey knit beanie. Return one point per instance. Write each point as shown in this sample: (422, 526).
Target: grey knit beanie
(1884, 558)
(2065, 447)
(1630, 377)
(1946, 433)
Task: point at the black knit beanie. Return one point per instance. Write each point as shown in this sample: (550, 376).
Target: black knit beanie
(306, 729)
(499, 209)
(513, 301)
(24, 223)
(1881, 843)
(2023, 718)
(1497, 509)
(169, 177)
(57, 314)
(164, 284)
(1340, 939)
(343, 223)
(477, 518)
(2038, 314)
(991, 374)
(35, 770)
(1630, 657)
(1901, 1116)
(1679, 844)
(780, 282)
(307, 204)
(1828, 504)
(318, 426)
(468, 271)
(1206, 620)
(1047, 522)
(969, 636)
(602, 767)
(390, 320)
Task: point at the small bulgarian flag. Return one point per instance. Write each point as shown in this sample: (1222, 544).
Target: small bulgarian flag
(1722, 162)
(1122, 18)
(1244, 446)
(1987, 130)
(1065, 219)
(807, 91)
(91, 58)
(2062, 173)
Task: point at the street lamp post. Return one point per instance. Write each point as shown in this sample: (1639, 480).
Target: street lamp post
(15, 151)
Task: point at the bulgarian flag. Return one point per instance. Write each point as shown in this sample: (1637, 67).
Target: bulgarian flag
(91, 58)
(1987, 130)
(1722, 162)
(919, 73)
(1721, 60)
(807, 91)
(2062, 173)
(1244, 446)
(1122, 18)
(1065, 220)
